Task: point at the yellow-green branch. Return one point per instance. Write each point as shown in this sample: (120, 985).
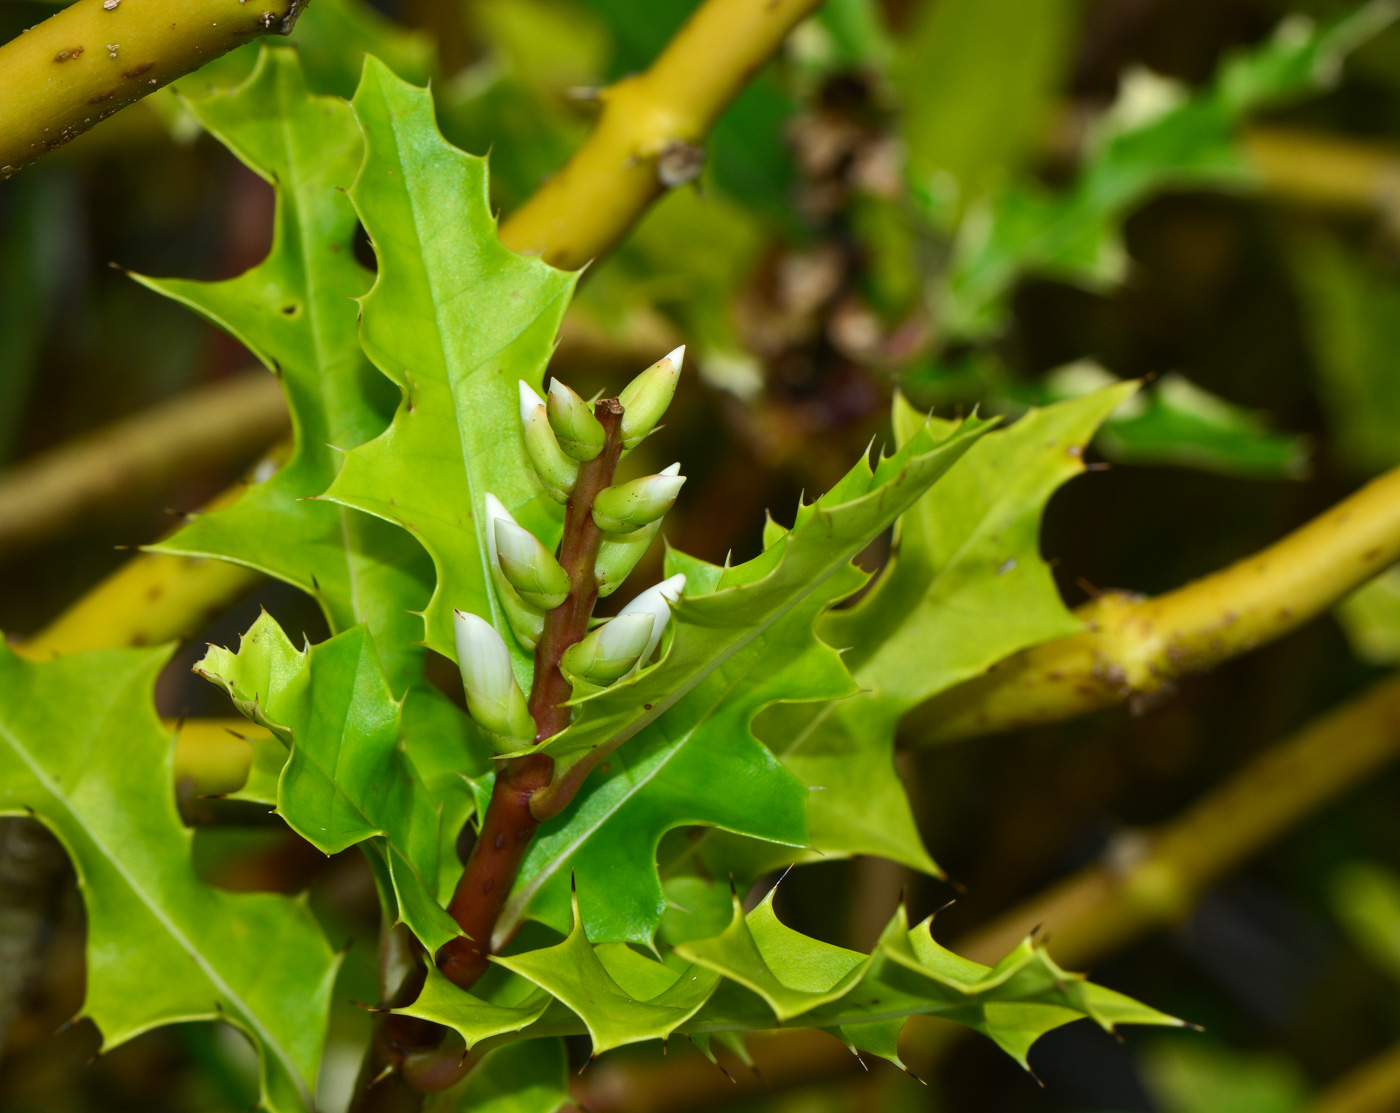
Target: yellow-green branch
(97, 56)
(1330, 171)
(1373, 1087)
(1156, 877)
(1134, 647)
(648, 135)
(214, 426)
(153, 597)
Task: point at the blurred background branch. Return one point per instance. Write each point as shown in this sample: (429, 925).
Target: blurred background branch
(1135, 648)
(214, 426)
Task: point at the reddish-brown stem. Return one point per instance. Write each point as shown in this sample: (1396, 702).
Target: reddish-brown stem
(578, 553)
(509, 825)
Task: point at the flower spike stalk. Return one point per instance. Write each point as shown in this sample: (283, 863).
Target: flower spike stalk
(606, 530)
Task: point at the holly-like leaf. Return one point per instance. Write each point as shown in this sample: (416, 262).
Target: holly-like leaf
(454, 319)
(347, 779)
(743, 640)
(713, 622)
(965, 588)
(296, 312)
(758, 973)
(82, 750)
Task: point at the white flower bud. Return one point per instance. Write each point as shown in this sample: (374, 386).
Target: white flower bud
(580, 434)
(493, 696)
(526, 620)
(618, 555)
(557, 472)
(646, 397)
(630, 506)
(611, 650)
(529, 567)
(656, 600)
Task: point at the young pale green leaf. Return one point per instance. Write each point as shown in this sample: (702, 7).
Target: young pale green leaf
(742, 640)
(455, 319)
(757, 974)
(347, 780)
(295, 311)
(1175, 422)
(82, 750)
(1191, 141)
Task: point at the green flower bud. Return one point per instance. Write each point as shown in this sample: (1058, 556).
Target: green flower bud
(493, 696)
(580, 434)
(646, 397)
(655, 600)
(526, 619)
(556, 471)
(630, 506)
(529, 566)
(611, 650)
(618, 555)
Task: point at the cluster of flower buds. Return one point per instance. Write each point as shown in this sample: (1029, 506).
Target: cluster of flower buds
(560, 435)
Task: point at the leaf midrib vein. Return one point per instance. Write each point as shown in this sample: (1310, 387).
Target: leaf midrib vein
(154, 907)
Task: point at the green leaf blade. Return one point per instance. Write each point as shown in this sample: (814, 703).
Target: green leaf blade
(82, 750)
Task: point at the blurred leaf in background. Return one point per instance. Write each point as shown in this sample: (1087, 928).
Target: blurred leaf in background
(1351, 309)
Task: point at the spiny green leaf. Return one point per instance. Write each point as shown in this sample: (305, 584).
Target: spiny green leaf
(473, 1018)
(965, 588)
(296, 312)
(759, 973)
(454, 319)
(743, 639)
(711, 625)
(81, 749)
(573, 973)
(347, 780)
(667, 777)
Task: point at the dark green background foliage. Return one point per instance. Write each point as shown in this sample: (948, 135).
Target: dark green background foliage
(982, 202)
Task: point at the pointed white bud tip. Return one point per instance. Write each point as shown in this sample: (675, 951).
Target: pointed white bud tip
(674, 469)
(612, 650)
(630, 506)
(528, 401)
(494, 509)
(656, 600)
(493, 696)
